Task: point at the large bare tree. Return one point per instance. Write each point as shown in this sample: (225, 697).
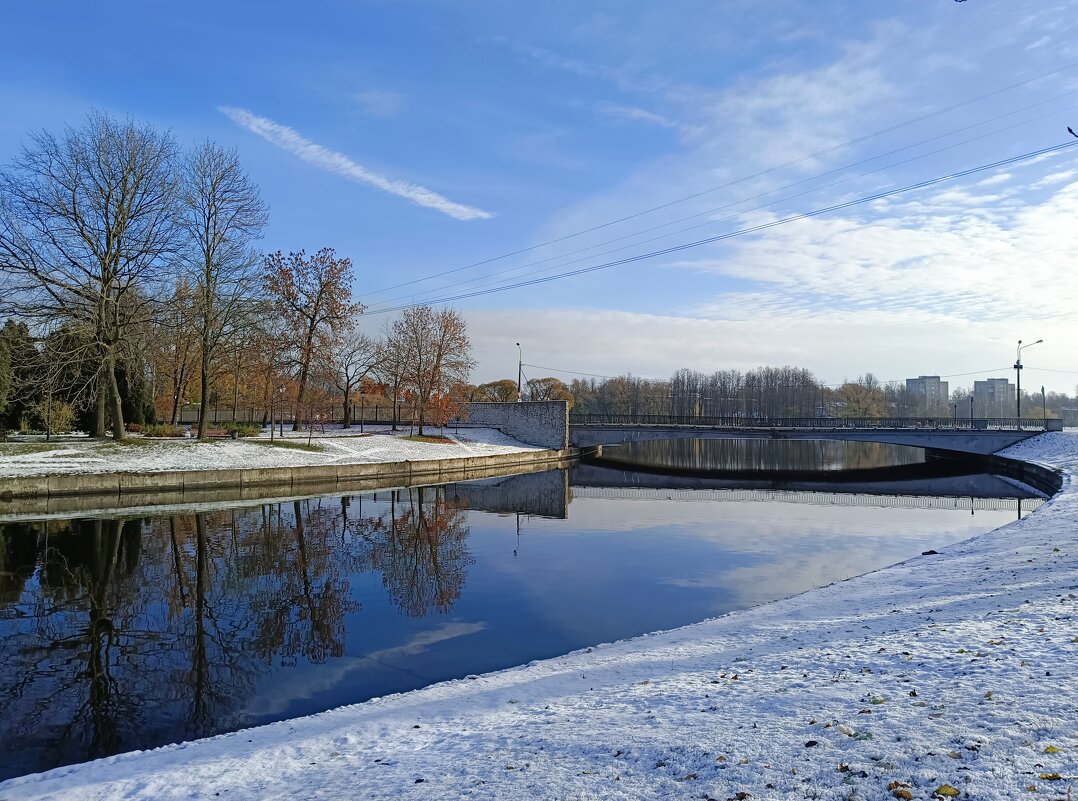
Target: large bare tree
(436, 351)
(314, 297)
(88, 224)
(223, 215)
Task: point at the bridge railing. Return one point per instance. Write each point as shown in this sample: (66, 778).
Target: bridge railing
(828, 423)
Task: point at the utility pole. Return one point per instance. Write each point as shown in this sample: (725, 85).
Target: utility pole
(1018, 378)
(520, 371)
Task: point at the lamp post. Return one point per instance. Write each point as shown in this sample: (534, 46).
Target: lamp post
(1044, 408)
(1018, 377)
(520, 371)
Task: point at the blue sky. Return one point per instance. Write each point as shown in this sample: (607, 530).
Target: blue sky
(420, 136)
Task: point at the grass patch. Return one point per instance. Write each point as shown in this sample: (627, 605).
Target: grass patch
(20, 448)
(428, 438)
(283, 443)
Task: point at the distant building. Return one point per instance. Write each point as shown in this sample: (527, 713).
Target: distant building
(931, 395)
(993, 397)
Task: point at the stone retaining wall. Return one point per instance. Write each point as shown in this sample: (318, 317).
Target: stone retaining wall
(542, 423)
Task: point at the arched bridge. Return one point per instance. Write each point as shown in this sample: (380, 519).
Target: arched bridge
(979, 435)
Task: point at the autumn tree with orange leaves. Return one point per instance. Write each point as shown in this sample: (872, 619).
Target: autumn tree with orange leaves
(436, 354)
(314, 297)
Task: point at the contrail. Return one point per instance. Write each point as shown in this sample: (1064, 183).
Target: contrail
(288, 139)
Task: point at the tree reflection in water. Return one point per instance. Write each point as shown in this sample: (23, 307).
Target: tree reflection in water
(420, 549)
(117, 634)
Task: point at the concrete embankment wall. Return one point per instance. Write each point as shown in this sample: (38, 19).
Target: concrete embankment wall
(541, 423)
(42, 493)
(1045, 479)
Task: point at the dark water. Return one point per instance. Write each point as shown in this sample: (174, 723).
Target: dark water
(123, 633)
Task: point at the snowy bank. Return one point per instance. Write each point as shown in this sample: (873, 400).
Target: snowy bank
(333, 447)
(951, 674)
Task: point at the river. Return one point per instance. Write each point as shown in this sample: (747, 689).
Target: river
(127, 630)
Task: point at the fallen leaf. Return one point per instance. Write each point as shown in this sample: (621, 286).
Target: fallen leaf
(1051, 777)
(903, 793)
(946, 791)
(1052, 750)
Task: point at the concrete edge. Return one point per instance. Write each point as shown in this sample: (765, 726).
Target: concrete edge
(171, 483)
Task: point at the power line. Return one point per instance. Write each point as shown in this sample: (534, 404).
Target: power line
(747, 199)
(742, 231)
(574, 372)
(743, 179)
(1047, 370)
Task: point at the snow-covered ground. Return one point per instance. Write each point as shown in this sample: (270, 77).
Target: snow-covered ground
(337, 446)
(954, 674)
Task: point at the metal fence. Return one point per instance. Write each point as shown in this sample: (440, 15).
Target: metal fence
(828, 423)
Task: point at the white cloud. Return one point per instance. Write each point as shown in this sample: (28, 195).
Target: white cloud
(634, 114)
(1055, 178)
(380, 103)
(338, 163)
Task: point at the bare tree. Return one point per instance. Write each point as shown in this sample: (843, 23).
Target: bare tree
(87, 224)
(390, 368)
(353, 357)
(174, 349)
(436, 351)
(545, 389)
(314, 296)
(222, 215)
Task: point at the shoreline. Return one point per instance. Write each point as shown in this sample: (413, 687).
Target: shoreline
(43, 477)
(956, 669)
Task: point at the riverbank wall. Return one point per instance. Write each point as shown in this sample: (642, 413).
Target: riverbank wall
(51, 493)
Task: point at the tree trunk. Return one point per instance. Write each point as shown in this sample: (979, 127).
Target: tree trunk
(204, 402)
(301, 392)
(99, 413)
(117, 411)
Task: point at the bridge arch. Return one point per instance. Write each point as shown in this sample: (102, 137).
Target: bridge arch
(972, 441)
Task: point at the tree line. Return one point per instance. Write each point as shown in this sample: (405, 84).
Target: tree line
(133, 287)
(775, 392)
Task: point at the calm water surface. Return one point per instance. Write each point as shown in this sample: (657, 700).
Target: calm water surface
(124, 632)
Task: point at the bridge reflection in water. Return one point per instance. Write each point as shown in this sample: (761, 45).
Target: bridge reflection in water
(1021, 505)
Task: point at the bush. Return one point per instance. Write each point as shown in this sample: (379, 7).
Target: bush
(57, 418)
(162, 430)
(243, 429)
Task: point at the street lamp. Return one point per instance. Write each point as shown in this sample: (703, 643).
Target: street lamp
(520, 371)
(1018, 377)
